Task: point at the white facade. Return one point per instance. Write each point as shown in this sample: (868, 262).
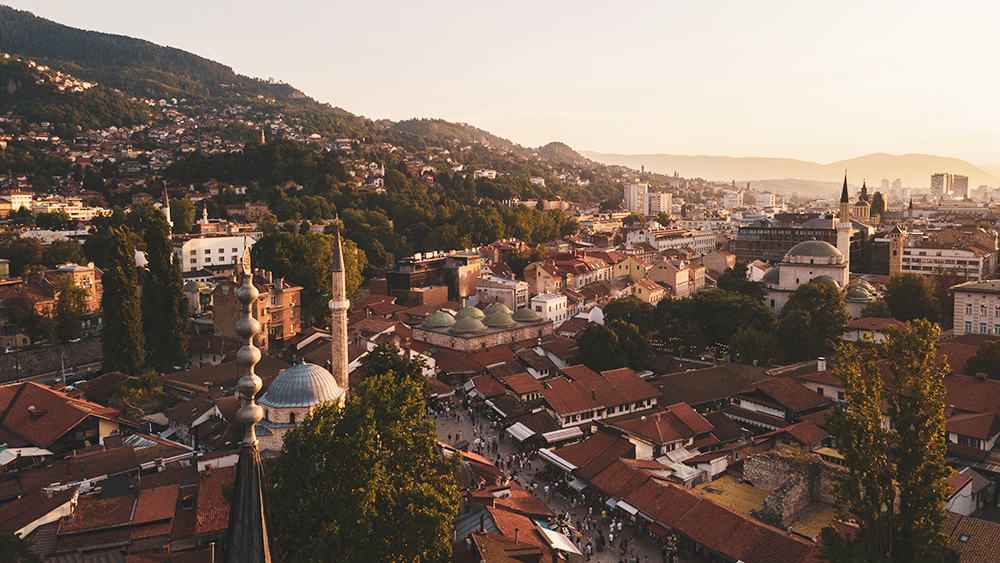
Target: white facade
(701, 242)
(551, 307)
(197, 253)
(635, 198)
(732, 200)
(764, 200)
(657, 202)
(977, 308)
(494, 289)
(930, 261)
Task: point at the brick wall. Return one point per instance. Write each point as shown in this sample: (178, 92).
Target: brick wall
(45, 360)
(794, 481)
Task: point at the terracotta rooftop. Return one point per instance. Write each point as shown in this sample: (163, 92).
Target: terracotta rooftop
(95, 513)
(213, 512)
(39, 416)
(978, 425)
(522, 383)
(791, 395)
(612, 388)
(25, 510)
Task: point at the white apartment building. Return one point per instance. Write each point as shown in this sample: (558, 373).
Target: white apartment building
(551, 307)
(977, 307)
(200, 252)
(17, 199)
(635, 198)
(701, 242)
(494, 289)
(657, 202)
(72, 206)
(732, 200)
(969, 263)
(764, 200)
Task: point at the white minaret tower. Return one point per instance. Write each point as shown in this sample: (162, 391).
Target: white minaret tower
(844, 230)
(166, 207)
(339, 306)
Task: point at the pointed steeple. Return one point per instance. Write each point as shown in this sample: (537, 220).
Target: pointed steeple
(249, 534)
(911, 203)
(844, 198)
(338, 255)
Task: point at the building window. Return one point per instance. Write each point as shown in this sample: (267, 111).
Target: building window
(968, 326)
(208, 259)
(820, 391)
(291, 418)
(234, 251)
(194, 260)
(982, 310)
(208, 251)
(982, 328)
(193, 252)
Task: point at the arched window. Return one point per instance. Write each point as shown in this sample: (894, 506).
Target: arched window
(291, 418)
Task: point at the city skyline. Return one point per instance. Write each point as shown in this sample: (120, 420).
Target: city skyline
(772, 79)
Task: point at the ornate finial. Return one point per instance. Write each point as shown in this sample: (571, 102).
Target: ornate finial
(247, 327)
(245, 261)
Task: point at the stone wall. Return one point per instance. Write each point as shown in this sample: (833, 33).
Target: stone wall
(794, 480)
(46, 360)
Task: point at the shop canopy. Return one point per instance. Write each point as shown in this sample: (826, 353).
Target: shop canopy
(520, 432)
(556, 460)
(559, 541)
(627, 507)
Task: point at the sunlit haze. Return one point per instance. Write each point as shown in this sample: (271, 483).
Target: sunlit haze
(806, 80)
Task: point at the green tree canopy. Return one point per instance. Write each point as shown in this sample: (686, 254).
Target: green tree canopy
(632, 310)
(909, 297)
(633, 219)
(23, 253)
(877, 309)
(812, 322)
(62, 252)
(710, 319)
(753, 346)
(894, 487)
(306, 260)
(70, 302)
(615, 344)
(878, 204)
(182, 214)
(122, 342)
(164, 305)
(736, 280)
(985, 360)
(363, 483)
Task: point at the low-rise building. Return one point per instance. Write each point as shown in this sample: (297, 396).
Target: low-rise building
(977, 307)
(496, 289)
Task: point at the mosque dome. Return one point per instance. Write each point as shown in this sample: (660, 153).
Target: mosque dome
(826, 280)
(469, 312)
(526, 315)
(302, 385)
(467, 325)
(498, 319)
(814, 249)
(439, 319)
(493, 307)
(859, 294)
(770, 276)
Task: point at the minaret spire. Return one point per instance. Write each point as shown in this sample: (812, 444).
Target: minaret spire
(249, 533)
(339, 305)
(166, 207)
(844, 198)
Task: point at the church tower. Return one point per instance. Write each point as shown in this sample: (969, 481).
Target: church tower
(844, 225)
(897, 242)
(338, 322)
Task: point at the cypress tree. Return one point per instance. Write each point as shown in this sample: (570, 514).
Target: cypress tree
(164, 305)
(122, 343)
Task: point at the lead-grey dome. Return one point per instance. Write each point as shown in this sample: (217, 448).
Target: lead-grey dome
(526, 315)
(469, 312)
(497, 319)
(302, 385)
(814, 248)
(770, 276)
(439, 319)
(497, 306)
(826, 280)
(467, 325)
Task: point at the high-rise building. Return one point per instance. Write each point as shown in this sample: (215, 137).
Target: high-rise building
(885, 185)
(960, 186)
(732, 200)
(635, 198)
(941, 185)
(658, 202)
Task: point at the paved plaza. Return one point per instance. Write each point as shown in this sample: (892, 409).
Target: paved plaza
(646, 548)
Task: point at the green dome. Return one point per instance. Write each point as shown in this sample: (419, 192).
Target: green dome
(526, 315)
(494, 307)
(498, 319)
(859, 294)
(439, 319)
(468, 325)
(815, 248)
(469, 312)
(825, 280)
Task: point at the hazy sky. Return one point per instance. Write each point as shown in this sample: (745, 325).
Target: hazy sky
(808, 80)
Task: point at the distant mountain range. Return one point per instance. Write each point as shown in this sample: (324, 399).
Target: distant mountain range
(913, 169)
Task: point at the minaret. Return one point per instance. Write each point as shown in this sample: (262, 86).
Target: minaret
(166, 207)
(249, 534)
(338, 321)
(909, 216)
(897, 242)
(844, 231)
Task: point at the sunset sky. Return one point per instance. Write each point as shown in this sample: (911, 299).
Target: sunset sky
(814, 81)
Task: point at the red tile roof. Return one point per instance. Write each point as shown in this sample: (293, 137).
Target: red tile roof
(806, 432)
(983, 426)
(25, 510)
(791, 395)
(522, 383)
(93, 513)
(611, 388)
(876, 324)
(213, 512)
(972, 395)
(41, 416)
(580, 373)
(155, 504)
(956, 482)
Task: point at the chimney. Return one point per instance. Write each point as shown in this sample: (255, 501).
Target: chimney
(820, 364)
(593, 393)
(482, 523)
(515, 535)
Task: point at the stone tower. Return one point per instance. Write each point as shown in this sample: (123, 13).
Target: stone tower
(844, 224)
(897, 242)
(339, 306)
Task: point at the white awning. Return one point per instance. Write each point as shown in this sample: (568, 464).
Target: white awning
(559, 541)
(469, 385)
(520, 432)
(494, 407)
(10, 454)
(611, 502)
(578, 485)
(556, 460)
(561, 435)
(627, 507)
